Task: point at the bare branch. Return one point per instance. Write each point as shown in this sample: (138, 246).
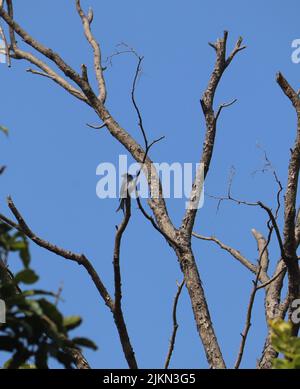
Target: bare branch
(175, 325)
(207, 102)
(224, 105)
(78, 258)
(147, 146)
(95, 127)
(261, 244)
(6, 48)
(290, 244)
(49, 73)
(238, 47)
(62, 65)
(274, 278)
(136, 107)
(288, 91)
(245, 332)
(260, 204)
(235, 253)
(152, 221)
(127, 50)
(268, 166)
(43, 74)
(86, 21)
(118, 313)
(58, 294)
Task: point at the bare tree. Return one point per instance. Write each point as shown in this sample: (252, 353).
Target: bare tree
(180, 239)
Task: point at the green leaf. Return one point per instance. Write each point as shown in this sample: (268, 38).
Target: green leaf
(283, 342)
(51, 312)
(297, 362)
(85, 343)
(34, 306)
(71, 322)
(25, 256)
(27, 366)
(4, 129)
(27, 276)
(38, 292)
(281, 364)
(17, 245)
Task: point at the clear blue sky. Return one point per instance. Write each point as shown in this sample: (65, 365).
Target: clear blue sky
(52, 158)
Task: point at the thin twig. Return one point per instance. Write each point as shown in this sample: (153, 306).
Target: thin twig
(98, 127)
(260, 204)
(267, 283)
(245, 332)
(235, 253)
(175, 325)
(118, 313)
(224, 105)
(147, 149)
(58, 294)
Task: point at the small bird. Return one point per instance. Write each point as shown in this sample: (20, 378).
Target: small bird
(127, 188)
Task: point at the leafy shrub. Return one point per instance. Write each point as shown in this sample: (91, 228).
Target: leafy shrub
(286, 344)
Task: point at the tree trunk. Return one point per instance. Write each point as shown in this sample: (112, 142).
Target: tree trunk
(200, 308)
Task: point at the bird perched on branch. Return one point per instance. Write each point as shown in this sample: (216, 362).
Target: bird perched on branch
(127, 187)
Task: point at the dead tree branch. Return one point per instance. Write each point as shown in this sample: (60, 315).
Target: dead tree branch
(118, 313)
(175, 325)
(245, 332)
(84, 92)
(207, 102)
(6, 48)
(289, 244)
(87, 21)
(235, 253)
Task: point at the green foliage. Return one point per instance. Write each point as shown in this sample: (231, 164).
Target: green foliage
(283, 342)
(11, 241)
(35, 330)
(4, 130)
